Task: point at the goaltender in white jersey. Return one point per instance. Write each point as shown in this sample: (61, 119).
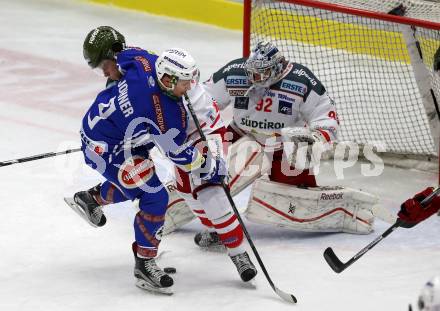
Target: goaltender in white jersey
(281, 112)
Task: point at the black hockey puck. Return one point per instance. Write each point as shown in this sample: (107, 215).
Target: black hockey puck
(170, 270)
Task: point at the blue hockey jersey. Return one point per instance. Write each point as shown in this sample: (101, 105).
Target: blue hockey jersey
(135, 112)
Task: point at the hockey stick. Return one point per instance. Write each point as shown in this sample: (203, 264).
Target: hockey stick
(38, 157)
(285, 296)
(338, 266)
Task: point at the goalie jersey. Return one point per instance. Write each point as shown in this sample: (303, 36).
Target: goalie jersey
(297, 99)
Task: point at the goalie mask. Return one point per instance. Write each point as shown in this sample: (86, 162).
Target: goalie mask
(429, 299)
(102, 43)
(178, 64)
(265, 65)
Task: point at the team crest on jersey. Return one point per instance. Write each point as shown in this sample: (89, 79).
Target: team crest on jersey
(285, 107)
(293, 87)
(151, 81)
(241, 103)
(135, 172)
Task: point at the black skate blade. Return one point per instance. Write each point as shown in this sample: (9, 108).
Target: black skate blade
(78, 210)
(144, 285)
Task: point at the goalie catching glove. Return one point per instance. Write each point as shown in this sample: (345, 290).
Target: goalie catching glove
(304, 146)
(412, 212)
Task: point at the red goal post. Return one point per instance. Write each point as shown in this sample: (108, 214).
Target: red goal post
(376, 66)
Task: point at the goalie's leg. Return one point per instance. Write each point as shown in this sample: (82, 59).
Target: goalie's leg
(316, 209)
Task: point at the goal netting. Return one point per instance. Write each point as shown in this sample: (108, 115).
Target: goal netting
(385, 91)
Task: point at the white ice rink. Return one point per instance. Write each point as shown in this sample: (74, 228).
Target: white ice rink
(50, 259)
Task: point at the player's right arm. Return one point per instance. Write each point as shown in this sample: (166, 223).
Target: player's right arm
(169, 135)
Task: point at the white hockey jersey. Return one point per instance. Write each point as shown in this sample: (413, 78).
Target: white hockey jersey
(297, 99)
(206, 109)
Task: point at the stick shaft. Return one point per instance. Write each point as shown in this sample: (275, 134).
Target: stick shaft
(38, 157)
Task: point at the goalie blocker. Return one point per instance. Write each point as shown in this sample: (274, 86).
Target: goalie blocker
(320, 209)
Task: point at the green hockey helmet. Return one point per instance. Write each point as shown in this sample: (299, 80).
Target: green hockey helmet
(102, 43)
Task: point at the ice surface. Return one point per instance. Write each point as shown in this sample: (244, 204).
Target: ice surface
(51, 259)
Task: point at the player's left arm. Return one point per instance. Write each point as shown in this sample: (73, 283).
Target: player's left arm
(319, 111)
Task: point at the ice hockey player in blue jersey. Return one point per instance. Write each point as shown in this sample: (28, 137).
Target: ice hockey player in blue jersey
(127, 119)
(108, 41)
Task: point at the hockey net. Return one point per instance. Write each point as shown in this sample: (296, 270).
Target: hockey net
(386, 93)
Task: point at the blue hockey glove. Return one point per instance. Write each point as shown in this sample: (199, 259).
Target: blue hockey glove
(216, 172)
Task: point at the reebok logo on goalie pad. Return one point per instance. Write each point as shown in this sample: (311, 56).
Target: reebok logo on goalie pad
(332, 196)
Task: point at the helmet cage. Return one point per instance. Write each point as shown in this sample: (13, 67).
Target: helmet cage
(265, 65)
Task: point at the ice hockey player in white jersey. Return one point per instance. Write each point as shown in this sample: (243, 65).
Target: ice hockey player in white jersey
(207, 200)
(211, 204)
(278, 107)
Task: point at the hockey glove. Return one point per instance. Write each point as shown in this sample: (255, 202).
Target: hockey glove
(412, 212)
(216, 170)
(307, 147)
(301, 135)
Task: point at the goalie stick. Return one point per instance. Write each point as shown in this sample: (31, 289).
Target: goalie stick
(285, 296)
(338, 266)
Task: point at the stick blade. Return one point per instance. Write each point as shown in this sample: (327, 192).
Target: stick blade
(333, 260)
(285, 296)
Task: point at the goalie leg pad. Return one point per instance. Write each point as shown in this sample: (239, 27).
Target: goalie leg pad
(178, 212)
(318, 209)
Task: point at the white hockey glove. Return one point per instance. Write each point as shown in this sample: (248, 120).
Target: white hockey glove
(303, 146)
(302, 134)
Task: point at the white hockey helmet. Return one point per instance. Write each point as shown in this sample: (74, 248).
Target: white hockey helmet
(265, 65)
(429, 299)
(179, 65)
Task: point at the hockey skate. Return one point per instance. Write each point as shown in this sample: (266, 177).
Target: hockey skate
(209, 241)
(150, 277)
(85, 205)
(244, 266)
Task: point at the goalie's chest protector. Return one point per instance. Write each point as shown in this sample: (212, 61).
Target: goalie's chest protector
(267, 110)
